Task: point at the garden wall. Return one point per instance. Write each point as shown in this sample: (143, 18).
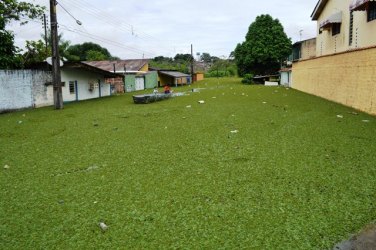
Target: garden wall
(348, 78)
(24, 89)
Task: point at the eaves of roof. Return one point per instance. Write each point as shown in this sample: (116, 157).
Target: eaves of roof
(318, 9)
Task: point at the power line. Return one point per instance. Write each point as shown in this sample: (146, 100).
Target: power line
(98, 38)
(77, 21)
(118, 23)
(105, 40)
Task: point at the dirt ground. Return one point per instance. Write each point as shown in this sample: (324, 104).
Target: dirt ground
(365, 240)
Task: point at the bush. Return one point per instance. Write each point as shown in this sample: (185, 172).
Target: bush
(248, 79)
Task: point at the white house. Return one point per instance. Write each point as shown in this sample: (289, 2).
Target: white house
(82, 82)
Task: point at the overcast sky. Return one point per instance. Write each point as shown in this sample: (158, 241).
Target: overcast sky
(135, 29)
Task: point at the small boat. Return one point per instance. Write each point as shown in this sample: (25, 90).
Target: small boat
(144, 99)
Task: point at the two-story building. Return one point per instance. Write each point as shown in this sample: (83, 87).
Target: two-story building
(344, 24)
(344, 68)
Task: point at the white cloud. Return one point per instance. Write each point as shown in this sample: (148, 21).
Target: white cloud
(167, 27)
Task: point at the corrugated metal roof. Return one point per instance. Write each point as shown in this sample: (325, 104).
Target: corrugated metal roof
(88, 67)
(174, 74)
(335, 18)
(130, 65)
(359, 4)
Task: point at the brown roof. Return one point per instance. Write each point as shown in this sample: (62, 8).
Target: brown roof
(87, 67)
(130, 65)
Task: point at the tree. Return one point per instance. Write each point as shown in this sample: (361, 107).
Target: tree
(36, 51)
(12, 10)
(265, 46)
(183, 57)
(206, 57)
(87, 51)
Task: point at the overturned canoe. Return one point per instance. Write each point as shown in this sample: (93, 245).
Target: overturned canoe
(143, 99)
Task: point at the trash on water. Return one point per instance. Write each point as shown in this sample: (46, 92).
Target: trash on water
(234, 131)
(201, 102)
(189, 106)
(340, 116)
(103, 226)
(6, 167)
(365, 121)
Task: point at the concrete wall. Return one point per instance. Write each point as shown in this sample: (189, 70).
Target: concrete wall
(308, 49)
(24, 89)
(83, 78)
(347, 78)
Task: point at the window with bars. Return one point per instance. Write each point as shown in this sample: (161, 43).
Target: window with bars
(72, 88)
(371, 13)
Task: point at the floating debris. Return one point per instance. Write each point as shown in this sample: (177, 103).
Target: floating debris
(189, 106)
(201, 102)
(340, 116)
(6, 167)
(264, 102)
(234, 131)
(103, 226)
(19, 122)
(91, 168)
(366, 121)
(214, 97)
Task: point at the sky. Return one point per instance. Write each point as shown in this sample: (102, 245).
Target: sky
(135, 29)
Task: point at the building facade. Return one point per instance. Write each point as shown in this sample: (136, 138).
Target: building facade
(344, 25)
(344, 68)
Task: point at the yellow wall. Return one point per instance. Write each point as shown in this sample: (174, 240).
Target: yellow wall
(308, 49)
(199, 77)
(145, 68)
(347, 78)
(326, 43)
(364, 32)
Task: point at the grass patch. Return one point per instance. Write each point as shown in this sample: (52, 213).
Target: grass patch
(166, 175)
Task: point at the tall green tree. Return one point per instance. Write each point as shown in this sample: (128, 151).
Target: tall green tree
(87, 52)
(13, 10)
(265, 45)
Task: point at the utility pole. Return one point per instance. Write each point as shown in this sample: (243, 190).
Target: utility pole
(192, 61)
(45, 32)
(56, 77)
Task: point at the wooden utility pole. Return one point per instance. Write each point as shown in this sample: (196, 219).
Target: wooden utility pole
(192, 61)
(45, 32)
(56, 77)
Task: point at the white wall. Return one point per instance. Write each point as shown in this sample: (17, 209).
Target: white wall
(83, 78)
(286, 79)
(24, 89)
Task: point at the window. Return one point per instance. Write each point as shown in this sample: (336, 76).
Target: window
(336, 29)
(72, 87)
(371, 13)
